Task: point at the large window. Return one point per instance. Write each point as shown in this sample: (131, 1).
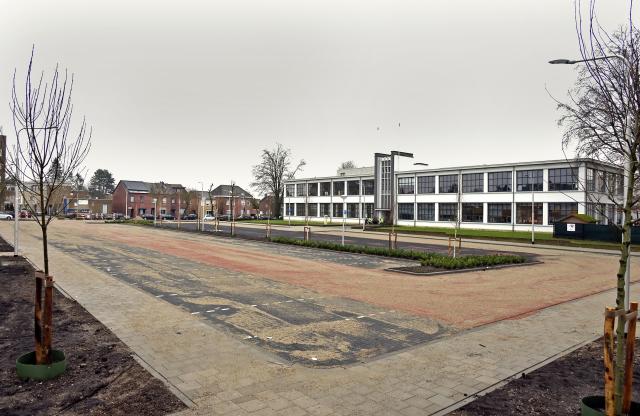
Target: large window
(473, 182)
(426, 184)
(405, 211)
(353, 188)
(620, 184)
(288, 209)
(426, 211)
(602, 181)
(300, 210)
(325, 188)
(448, 184)
(325, 210)
(352, 210)
(367, 187)
(368, 210)
(312, 210)
(472, 212)
(591, 180)
(564, 179)
(405, 185)
(499, 213)
(313, 189)
(300, 189)
(337, 209)
(523, 213)
(500, 181)
(447, 212)
(559, 210)
(529, 180)
(291, 190)
(338, 188)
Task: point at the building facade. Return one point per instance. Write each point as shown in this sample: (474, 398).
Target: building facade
(225, 199)
(137, 198)
(502, 196)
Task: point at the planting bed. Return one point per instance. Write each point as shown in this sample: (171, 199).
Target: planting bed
(102, 377)
(555, 389)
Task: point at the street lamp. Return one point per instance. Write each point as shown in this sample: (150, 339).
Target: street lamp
(627, 167)
(155, 210)
(344, 215)
(201, 217)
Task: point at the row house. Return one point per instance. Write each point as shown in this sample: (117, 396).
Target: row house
(137, 198)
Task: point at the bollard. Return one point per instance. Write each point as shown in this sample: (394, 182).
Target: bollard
(268, 231)
(233, 228)
(307, 233)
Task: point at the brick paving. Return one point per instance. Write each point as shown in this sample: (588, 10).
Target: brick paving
(221, 375)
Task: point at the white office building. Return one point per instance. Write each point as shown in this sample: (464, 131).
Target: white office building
(504, 196)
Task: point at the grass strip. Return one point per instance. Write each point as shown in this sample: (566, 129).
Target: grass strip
(436, 260)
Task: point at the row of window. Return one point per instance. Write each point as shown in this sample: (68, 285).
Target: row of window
(605, 182)
(141, 198)
(498, 213)
(561, 179)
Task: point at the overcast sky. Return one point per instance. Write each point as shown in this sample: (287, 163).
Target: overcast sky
(192, 90)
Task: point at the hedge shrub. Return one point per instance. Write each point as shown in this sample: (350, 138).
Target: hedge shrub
(426, 259)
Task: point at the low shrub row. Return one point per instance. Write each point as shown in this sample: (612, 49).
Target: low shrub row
(134, 222)
(426, 259)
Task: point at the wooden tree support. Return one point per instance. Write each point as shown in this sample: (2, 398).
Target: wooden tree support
(393, 240)
(307, 233)
(268, 231)
(217, 223)
(451, 247)
(37, 318)
(233, 228)
(631, 317)
(609, 321)
(43, 318)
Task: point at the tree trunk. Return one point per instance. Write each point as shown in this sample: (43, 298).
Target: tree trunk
(625, 249)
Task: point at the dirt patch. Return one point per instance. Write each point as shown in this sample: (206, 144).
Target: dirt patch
(102, 377)
(555, 389)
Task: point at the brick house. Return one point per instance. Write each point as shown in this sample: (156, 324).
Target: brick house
(136, 198)
(243, 203)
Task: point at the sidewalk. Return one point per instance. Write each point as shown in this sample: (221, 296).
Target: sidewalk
(219, 374)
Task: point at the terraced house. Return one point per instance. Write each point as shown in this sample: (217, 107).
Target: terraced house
(508, 196)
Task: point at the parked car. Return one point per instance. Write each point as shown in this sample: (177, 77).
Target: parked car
(25, 214)
(148, 217)
(167, 217)
(208, 217)
(224, 217)
(5, 216)
(189, 217)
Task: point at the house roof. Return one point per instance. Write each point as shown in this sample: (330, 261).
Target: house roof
(224, 190)
(158, 187)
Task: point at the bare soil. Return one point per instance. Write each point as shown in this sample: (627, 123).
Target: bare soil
(102, 377)
(555, 389)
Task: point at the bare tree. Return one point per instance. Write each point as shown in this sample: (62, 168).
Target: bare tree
(602, 120)
(269, 175)
(44, 159)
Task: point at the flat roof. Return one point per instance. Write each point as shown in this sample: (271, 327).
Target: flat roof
(470, 167)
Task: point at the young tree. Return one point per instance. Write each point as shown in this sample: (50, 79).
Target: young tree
(602, 120)
(349, 164)
(101, 183)
(269, 175)
(44, 159)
